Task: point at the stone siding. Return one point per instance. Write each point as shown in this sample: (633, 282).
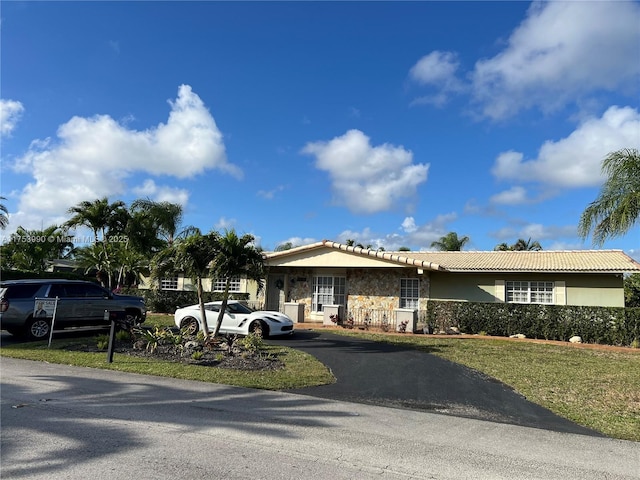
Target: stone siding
(374, 289)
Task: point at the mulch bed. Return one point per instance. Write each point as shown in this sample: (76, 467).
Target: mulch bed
(219, 357)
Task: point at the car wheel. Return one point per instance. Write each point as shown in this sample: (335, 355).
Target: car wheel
(189, 325)
(259, 329)
(37, 328)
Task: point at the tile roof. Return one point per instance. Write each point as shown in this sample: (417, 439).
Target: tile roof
(615, 261)
(530, 261)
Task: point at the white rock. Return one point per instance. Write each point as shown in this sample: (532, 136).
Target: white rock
(575, 339)
(518, 335)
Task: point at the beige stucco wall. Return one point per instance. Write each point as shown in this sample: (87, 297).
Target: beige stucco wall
(186, 284)
(327, 257)
(605, 290)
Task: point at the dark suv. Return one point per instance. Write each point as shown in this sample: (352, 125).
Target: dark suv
(79, 303)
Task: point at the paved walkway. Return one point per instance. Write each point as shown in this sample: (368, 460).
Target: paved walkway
(380, 374)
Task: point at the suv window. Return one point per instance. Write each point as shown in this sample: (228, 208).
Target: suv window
(76, 290)
(20, 291)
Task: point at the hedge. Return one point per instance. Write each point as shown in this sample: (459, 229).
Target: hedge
(604, 325)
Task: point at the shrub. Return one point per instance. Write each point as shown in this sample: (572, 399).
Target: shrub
(166, 301)
(606, 325)
(197, 355)
(253, 343)
(102, 342)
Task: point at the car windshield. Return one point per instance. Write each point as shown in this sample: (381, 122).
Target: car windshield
(239, 308)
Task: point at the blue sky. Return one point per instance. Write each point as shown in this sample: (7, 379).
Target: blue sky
(387, 123)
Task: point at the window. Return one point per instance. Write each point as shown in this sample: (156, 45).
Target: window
(169, 283)
(529, 292)
(69, 290)
(220, 283)
(328, 291)
(409, 292)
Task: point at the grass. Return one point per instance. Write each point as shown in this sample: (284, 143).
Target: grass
(599, 389)
(301, 369)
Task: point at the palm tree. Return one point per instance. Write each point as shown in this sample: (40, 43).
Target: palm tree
(192, 256)
(450, 242)
(94, 258)
(4, 218)
(32, 250)
(526, 245)
(284, 246)
(236, 256)
(96, 215)
(166, 216)
(520, 246)
(617, 207)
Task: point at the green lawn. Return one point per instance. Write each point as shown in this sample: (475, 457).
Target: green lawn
(599, 389)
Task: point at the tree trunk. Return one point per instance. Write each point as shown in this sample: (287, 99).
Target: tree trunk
(203, 313)
(223, 307)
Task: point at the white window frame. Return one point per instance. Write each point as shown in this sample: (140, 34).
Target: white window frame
(328, 290)
(410, 293)
(169, 283)
(219, 284)
(522, 291)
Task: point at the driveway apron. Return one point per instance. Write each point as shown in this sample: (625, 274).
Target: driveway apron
(380, 374)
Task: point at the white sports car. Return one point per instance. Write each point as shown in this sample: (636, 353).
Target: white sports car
(238, 319)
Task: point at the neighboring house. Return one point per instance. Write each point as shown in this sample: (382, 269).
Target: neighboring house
(361, 280)
(181, 283)
(64, 265)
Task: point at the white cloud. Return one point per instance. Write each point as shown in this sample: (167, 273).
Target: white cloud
(225, 223)
(437, 69)
(574, 161)
(297, 241)
(560, 52)
(368, 179)
(421, 236)
(514, 196)
(409, 225)
(270, 194)
(417, 237)
(162, 193)
(437, 100)
(92, 157)
(535, 232)
(10, 114)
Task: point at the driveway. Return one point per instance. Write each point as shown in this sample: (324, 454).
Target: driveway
(390, 376)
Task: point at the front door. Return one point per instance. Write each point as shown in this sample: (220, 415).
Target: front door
(275, 292)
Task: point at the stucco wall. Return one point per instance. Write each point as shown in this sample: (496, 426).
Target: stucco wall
(605, 290)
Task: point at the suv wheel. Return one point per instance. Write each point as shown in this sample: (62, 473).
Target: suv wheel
(37, 328)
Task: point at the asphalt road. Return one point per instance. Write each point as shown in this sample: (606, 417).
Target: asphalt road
(385, 375)
(70, 423)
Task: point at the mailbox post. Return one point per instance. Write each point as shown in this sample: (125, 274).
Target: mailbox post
(115, 317)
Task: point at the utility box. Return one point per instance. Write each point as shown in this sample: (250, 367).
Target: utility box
(406, 315)
(329, 311)
(295, 311)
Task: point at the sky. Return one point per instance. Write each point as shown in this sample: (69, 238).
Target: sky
(387, 123)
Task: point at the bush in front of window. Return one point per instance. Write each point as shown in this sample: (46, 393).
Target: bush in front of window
(604, 325)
